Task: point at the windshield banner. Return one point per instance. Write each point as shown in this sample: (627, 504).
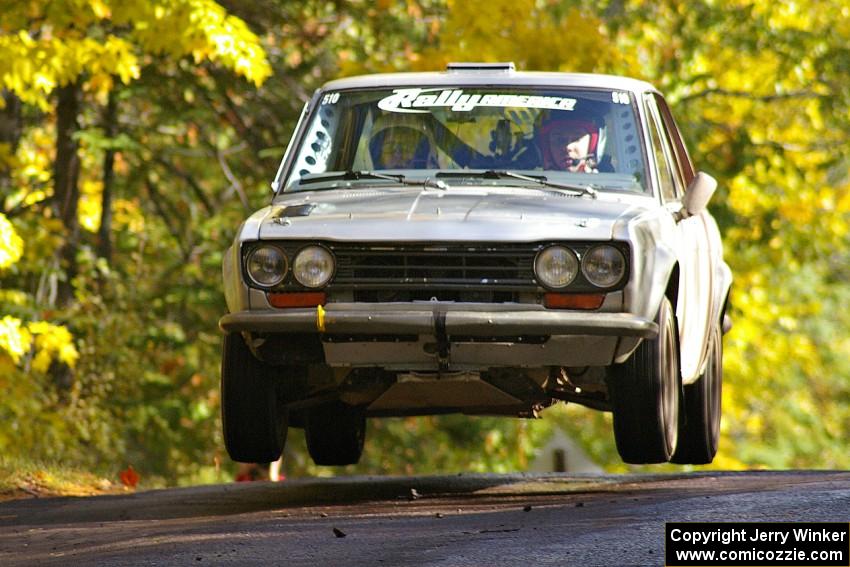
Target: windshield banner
(419, 100)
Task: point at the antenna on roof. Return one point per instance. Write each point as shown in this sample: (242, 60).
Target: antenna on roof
(506, 67)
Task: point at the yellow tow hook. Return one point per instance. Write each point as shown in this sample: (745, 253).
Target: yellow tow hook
(320, 318)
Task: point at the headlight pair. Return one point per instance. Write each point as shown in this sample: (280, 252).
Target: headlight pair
(557, 266)
(313, 266)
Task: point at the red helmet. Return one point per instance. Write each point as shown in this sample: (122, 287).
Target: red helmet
(577, 125)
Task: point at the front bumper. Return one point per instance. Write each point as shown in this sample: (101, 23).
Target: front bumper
(427, 336)
(427, 318)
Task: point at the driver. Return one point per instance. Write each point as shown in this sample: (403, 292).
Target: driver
(404, 145)
(570, 144)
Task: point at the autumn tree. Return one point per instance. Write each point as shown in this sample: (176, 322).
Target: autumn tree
(63, 69)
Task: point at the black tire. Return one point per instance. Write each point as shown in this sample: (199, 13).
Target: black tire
(252, 416)
(700, 432)
(645, 395)
(335, 433)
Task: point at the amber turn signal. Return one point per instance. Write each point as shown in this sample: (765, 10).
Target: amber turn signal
(573, 300)
(301, 299)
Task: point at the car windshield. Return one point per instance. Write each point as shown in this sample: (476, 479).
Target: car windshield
(575, 136)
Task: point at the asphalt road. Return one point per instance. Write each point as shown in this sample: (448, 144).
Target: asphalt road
(436, 520)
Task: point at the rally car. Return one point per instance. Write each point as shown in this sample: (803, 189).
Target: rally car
(482, 241)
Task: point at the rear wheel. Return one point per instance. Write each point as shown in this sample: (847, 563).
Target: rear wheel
(700, 433)
(645, 394)
(252, 416)
(335, 433)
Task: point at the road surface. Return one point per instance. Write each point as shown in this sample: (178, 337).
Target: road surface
(422, 521)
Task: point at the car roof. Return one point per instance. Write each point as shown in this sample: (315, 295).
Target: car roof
(491, 77)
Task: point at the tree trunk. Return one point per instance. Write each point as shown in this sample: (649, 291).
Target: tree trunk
(66, 174)
(104, 234)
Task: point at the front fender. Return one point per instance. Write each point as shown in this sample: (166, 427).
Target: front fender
(654, 259)
(235, 291)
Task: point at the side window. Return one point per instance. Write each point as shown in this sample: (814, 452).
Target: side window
(679, 147)
(665, 175)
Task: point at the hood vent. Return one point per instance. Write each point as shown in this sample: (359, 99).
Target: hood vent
(295, 211)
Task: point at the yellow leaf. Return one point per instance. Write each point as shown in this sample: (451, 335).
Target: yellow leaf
(89, 211)
(51, 342)
(11, 245)
(100, 9)
(14, 338)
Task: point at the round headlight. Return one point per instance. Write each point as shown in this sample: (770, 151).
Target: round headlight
(556, 267)
(267, 265)
(313, 266)
(603, 266)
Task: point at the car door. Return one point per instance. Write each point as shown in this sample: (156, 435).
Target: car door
(719, 279)
(695, 264)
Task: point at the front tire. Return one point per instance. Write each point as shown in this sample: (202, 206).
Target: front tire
(645, 393)
(252, 417)
(335, 434)
(700, 434)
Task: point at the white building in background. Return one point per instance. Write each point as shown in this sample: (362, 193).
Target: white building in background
(562, 454)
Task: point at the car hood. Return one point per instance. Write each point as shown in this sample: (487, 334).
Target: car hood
(459, 214)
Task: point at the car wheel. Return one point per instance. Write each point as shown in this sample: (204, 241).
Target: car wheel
(645, 393)
(335, 433)
(700, 434)
(254, 423)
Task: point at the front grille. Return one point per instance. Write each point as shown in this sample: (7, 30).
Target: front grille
(434, 293)
(492, 268)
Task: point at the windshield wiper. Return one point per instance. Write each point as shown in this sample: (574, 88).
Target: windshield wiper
(574, 188)
(351, 175)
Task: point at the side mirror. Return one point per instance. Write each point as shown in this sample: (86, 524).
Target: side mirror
(698, 194)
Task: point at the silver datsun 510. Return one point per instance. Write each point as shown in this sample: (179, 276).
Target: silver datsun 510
(481, 241)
